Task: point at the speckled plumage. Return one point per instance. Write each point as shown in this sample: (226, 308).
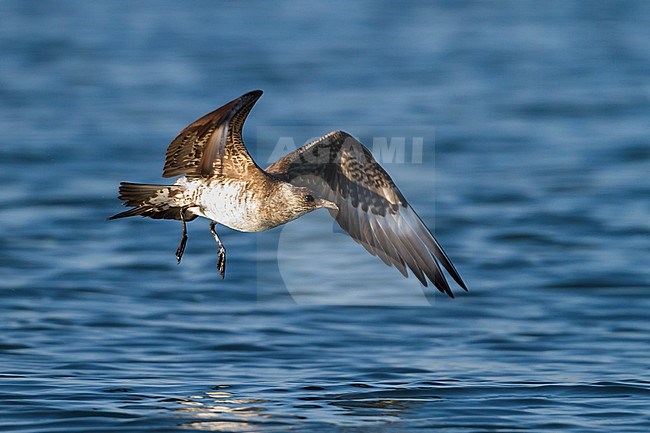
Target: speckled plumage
(220, 181)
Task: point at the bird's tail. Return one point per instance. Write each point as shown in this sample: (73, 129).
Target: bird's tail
(153, 201)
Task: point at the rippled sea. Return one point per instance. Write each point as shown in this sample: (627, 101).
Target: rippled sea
(518, 130)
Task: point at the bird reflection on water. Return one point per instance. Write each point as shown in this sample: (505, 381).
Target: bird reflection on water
(221, 410)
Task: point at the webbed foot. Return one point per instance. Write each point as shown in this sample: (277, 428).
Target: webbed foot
(221, 262)
(221, 254)
(181, 247)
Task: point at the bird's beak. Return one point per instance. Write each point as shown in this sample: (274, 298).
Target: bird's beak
(328, 204)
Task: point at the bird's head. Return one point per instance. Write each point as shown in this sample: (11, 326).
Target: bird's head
(300, 200)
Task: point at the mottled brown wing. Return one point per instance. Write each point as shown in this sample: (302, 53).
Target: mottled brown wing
(213, 144)
(372, 210)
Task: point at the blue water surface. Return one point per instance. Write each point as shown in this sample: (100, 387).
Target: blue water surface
(532, 120)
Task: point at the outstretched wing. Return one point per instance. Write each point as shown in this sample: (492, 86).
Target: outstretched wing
(372, 210)
(213, 144)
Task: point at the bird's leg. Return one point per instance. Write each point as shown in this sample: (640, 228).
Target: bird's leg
(221, 260)
(181, 247)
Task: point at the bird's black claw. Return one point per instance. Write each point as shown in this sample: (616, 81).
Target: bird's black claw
(221, 263)
(180, 250)
(181, 246)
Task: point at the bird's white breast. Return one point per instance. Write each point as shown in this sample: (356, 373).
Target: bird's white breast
(229, 202)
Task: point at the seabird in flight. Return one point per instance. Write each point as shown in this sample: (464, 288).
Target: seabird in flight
(221, 182)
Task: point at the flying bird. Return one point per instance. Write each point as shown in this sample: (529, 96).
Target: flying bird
(221, 182)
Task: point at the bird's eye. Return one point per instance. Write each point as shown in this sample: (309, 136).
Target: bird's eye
(309, 198)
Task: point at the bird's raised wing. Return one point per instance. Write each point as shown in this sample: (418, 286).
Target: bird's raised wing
(213, 144)
(372, 210)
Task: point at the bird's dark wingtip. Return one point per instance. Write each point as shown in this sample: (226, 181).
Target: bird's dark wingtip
(461, 283)
(448, 292)
(253, 94)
